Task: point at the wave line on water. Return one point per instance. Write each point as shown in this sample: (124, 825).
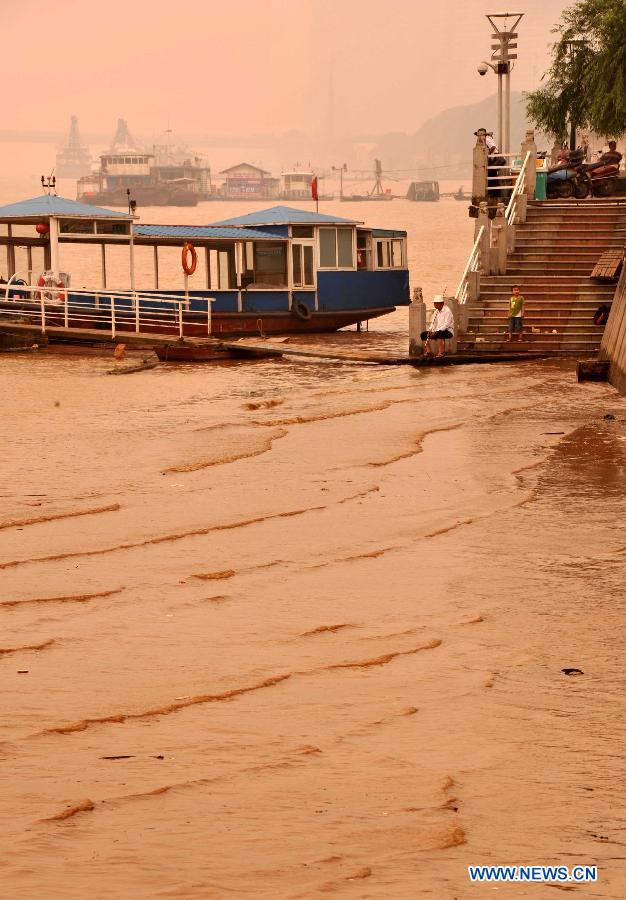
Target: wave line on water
(267, 443)
(65, 598)
(6, 651)
(271, 681)
(53, 517)
(181, 535)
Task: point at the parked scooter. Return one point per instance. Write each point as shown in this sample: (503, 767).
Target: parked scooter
(567, 179)
(601, 178)
(574, 178)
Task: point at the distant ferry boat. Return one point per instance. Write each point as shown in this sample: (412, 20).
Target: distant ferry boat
(127, 169)
(74, 160)
(277, 271)
(168, 181)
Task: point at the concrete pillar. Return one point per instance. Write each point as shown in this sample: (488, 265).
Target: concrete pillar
(484, 220)
(556, 149)
(417, 322)
(528, 144)
(479, 171)
(459, 311)
(499, 241)
(473, 287)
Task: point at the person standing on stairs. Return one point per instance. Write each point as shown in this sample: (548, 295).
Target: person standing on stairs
(516, 313)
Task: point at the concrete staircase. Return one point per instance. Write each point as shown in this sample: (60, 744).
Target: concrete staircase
(555, 252)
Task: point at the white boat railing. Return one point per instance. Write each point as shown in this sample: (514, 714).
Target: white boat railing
(473, 265)
(519, 188)
(110, 312)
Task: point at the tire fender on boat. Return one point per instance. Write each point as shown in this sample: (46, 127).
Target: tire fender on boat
(189, 266)
(301, 310)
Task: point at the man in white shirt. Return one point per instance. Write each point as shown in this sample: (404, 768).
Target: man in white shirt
(492, 147)
(441, 327)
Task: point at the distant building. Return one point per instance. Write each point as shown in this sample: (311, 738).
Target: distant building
(248, 182)
(75, 159)
(296, 185)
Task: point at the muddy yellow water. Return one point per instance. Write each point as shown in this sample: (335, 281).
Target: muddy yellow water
(296, 630)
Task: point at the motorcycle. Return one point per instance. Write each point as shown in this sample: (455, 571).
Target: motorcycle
(601, 178)
(574, 178)
(567, 181)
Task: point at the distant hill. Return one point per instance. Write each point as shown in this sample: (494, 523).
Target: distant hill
(442, 146)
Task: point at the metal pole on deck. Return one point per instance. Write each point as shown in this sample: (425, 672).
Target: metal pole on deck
(112, 316)
(502, 61)
(54, 246)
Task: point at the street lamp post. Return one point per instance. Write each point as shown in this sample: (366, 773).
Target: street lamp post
(502, 61)
(341, 170)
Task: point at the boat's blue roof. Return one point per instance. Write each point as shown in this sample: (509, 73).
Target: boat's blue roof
(286, 215)
(388, 232)
(51, 205)
(206, 232)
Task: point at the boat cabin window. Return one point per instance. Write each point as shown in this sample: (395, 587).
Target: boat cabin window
(302, 231)
(113, 227)
(76, 226)
(363, 250)
(302, 263)
(389, 254)
(336, 250)
(221, 273)
(269, 264)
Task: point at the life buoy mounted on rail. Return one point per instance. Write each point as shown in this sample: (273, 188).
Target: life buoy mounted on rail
(189, 258)
(50, 289)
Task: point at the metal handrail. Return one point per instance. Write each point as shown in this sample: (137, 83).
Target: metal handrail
(158, 296)
(472, 265)
(518, 190)
(54, 302)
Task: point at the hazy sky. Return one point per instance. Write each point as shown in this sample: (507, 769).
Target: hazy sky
(218, 68)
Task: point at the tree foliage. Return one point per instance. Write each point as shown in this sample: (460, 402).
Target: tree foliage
(585, 85)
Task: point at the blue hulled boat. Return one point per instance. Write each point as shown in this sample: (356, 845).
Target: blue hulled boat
(277, 271)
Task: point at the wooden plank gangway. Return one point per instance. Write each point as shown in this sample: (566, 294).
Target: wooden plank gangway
(204, 349)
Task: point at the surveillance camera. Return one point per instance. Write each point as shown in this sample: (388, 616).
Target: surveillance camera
(483, 68)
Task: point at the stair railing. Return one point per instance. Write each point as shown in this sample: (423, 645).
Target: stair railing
(514, 211)
(472, 267)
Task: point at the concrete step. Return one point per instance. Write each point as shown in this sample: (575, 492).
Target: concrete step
(574, 264)
(547, 256)
(536, 297)
(557, 281)
(589, 203)
(545, 324)
(560, 241)
(531, 344)
(544, 317)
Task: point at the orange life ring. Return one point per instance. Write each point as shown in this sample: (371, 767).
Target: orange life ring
(51, 290)
(189, 267)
